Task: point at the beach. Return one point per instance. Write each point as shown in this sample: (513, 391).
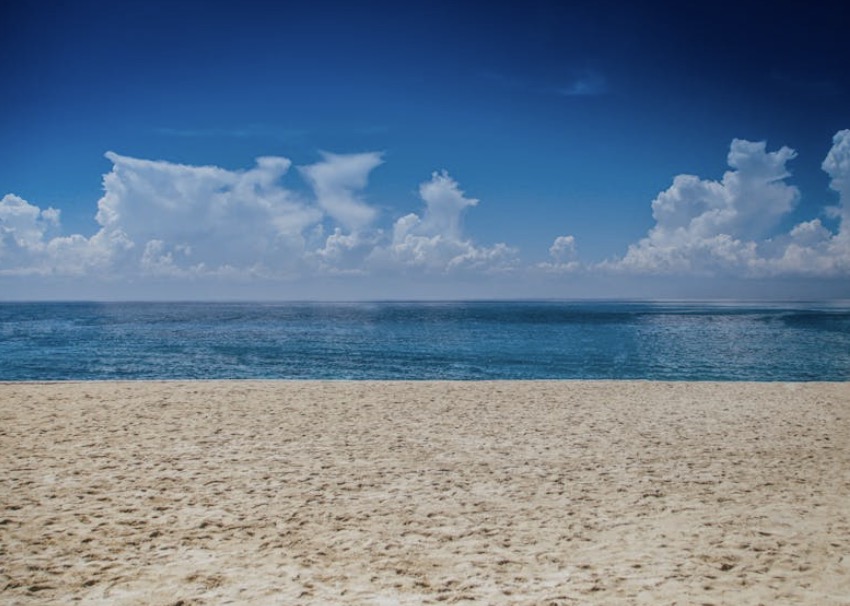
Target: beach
(502, 492)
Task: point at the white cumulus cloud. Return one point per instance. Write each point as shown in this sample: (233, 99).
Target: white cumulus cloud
(434, 241)
(837, 166)
(444, 206)
(813, 249)
(205, 218)
(564, 254)
(346, 253)
(23, 231)
(22, 225)
(175, 222)
(725, 227)
(169, 220)
(30, 243)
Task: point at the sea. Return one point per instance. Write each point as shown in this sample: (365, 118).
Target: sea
(472, 340)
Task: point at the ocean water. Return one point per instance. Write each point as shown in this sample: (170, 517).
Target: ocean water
(445, 340)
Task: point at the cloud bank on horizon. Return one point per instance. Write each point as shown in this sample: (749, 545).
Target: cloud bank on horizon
(163, 220)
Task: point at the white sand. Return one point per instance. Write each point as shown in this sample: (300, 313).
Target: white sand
(423, 493)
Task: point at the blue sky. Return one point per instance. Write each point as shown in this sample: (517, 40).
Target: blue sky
(429, 149)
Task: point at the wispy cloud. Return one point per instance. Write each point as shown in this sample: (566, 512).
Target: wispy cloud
(585, 83)
(581, 83)
(337, 180)
(245, 132)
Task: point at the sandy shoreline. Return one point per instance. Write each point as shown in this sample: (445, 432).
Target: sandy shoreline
(424, 493)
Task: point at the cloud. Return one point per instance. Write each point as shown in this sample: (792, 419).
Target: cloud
(705, 226)
(586, 83)
(335, 181)
(837, 166)
(346, 253)
(434, 241)
(747, 202)
(444, 206)
(813, 248)
(205, 218)
(169, 220)
(431, 242)
(30, 243)
(563, 248)
(165, 219)
(23, 228)
(564, 253)
(250, 131)
(726, 227)
(22, 225)
(810, 248)
(178, 222)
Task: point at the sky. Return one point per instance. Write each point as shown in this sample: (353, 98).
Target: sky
(423, 150)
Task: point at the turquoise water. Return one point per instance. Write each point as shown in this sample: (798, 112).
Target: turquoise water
(447, 340)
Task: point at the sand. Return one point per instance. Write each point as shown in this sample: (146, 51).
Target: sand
(424, 493)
